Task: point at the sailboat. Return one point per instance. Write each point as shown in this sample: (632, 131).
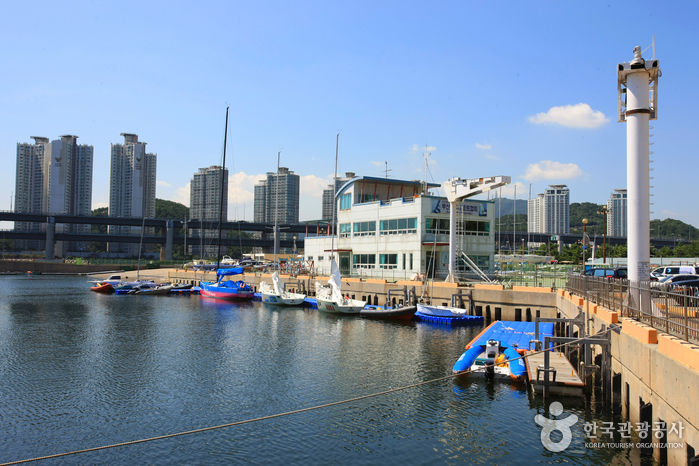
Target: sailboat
(330, 298)
(275, 293)
(225, 289)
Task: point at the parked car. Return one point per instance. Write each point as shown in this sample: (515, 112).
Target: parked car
(673, 280)
(608, 272)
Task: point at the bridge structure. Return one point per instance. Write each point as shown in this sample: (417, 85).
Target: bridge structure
(169, 226)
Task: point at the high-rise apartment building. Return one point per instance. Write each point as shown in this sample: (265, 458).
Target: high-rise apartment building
(205, 205)
(550, 212)
(277, 199)
(131, 188)
(329, 196)
(54, 178)
(617, 213)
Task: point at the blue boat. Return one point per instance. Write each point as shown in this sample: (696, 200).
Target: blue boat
(445, 315)
(497, 350)
(227, 289)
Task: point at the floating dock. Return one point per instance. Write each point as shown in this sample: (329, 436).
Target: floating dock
(453, 321)
(512, 334)
(564, 381)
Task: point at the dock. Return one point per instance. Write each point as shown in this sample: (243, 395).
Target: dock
(563, 378)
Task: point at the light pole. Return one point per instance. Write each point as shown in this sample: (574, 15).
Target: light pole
(585, 241)
(604, 211)
(294, 245)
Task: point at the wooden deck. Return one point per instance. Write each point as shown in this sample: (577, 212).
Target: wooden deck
(567, 380)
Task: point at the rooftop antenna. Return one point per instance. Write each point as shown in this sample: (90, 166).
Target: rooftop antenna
(424, 179)
(387, 170)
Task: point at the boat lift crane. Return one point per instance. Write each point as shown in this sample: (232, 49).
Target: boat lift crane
(456, 191)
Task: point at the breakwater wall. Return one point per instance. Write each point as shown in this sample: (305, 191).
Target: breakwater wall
(24, 266)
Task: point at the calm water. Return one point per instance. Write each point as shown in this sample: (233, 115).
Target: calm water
(79, 369)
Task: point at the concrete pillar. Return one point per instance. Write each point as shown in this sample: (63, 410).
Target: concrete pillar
(169, 239)
(50, 232)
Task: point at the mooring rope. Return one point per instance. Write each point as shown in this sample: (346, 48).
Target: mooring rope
(297, 411)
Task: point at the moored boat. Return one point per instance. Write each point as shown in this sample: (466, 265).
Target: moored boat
(151, 289)
(392, 313)
(275, 293)
(445, 315)
(330, 299)
(227, 289)
(105, 288)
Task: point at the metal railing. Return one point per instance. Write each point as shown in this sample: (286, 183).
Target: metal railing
(672, 310)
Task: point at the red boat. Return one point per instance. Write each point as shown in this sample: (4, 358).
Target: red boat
(105, 288)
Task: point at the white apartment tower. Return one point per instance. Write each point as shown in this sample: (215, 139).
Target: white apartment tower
(277, 200)
(205, 206)
(550, 212)
(54, 178)
(617, 213)
(329, 196)
(131, 188)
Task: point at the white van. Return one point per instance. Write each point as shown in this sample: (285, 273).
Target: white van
(674, 270)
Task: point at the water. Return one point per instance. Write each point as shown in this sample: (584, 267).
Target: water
(80, 370)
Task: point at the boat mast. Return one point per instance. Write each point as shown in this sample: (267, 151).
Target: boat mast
(276, 209)
(223, 175)
(332, 238)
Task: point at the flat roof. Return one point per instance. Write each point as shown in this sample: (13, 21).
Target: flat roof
(376, 179)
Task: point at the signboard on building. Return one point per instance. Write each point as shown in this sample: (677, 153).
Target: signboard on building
(441, 206)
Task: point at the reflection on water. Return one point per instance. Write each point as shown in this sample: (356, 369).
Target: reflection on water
(80, 369)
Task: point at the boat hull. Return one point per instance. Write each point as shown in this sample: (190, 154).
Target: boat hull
(104, 288)
(441, 311)
(229, 293)
(274, 299)
(378, 312)
(353, 306)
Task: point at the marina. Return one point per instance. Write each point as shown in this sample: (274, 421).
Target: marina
(81, 369)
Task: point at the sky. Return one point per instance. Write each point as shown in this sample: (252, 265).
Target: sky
(522, 89)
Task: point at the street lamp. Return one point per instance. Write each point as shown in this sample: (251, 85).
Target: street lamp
(604, 211)
(294, 245)
(585, 241)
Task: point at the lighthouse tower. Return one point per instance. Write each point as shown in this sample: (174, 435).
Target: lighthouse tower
(637, 87)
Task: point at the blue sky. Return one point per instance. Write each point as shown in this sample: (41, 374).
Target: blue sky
(522, 89)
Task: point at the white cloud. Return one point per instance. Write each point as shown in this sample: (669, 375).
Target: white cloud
(550, 170)
(377, 164)
(509, 190)
(313, 186)
(573, 116)
(492, 157)
(163, 183)
(98, 205)
(182, 195)
(483, 146)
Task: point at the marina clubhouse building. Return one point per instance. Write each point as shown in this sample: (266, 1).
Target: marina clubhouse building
(395, 229)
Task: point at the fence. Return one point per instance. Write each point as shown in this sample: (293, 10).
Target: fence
(671, 310)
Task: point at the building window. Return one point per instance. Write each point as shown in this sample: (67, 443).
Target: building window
(400, 226)
(368, 198)
(310, 258)
(346, 201)
(345, 230)
(437, 226)
(411, 261)
(320, 258)
(365, 228)
(364, 261)
(388, 261)
(473, 228)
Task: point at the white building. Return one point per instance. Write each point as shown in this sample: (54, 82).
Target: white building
(617, 213)
(205, 205)
(54, 178)
(549, 212)
(389, 229)
(329, 196)
(131, 188)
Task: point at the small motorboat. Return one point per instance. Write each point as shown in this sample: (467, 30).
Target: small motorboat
(446, 315)
(151, 289)
(227, 289)
(330, 298)
(275, 293)
(386, 312)
(105, 288)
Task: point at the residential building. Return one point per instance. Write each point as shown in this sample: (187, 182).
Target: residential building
(617, 213)
(549, 212)
(205, 205)
(329, 196)
(277, 200)
(54, 178)
(131, 189)
(391, 228)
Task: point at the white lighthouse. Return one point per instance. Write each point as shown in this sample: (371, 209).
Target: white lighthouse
(637, 87)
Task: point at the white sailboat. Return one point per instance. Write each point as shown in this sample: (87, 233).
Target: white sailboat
(275, 293)
(330, 298)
